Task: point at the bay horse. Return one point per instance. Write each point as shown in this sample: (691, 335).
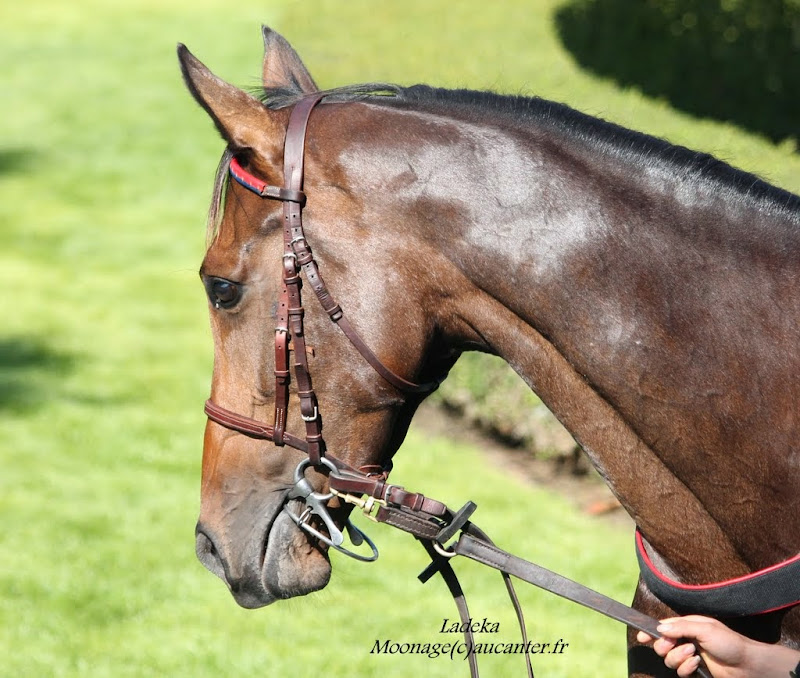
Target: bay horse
(648, 294)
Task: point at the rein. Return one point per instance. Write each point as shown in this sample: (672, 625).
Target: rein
(430, 521)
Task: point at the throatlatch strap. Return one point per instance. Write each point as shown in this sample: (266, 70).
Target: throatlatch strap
(770, 589)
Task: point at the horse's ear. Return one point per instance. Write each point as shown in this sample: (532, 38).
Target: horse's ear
(282, 67)
(244, 122)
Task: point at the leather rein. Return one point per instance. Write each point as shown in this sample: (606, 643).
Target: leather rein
(430, 521)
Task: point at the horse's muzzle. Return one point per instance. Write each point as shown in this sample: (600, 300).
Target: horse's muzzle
(275, 563)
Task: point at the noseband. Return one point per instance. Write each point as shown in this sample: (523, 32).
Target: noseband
(298, 259)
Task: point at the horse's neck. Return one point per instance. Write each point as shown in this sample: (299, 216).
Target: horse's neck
(646, 487)
(645, 337)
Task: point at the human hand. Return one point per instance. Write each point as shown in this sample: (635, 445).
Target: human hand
(726, 653)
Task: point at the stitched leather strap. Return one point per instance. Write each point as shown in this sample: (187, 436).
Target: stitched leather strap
(378, 488)
(475, 544)
(262, 188)
(488, 554)
(293, 157)
(247, 426)
(512, 595)
(395, 380)
(347, 480)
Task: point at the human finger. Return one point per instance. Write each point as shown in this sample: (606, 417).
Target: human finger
(688, 667)
(663, 646)
(717, 640)
(678, 655)
(690, 627)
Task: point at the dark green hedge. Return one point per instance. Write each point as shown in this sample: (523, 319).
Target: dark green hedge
(736, 60)
(489, 395)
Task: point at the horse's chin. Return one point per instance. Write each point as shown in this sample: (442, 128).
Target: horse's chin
(293, 566)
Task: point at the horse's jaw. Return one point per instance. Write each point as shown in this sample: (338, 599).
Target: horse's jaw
(276, 562)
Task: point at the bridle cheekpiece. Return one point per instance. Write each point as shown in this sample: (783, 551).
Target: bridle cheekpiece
(298, 259)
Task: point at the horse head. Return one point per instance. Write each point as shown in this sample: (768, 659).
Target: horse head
(243, 535)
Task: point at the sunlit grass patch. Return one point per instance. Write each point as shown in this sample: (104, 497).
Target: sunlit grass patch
(106, 167)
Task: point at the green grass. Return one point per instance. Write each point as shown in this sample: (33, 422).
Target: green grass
(105, 174)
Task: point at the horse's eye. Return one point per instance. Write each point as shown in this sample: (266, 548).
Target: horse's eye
(223, 293)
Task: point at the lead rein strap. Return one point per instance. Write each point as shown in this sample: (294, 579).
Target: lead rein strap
(427, 533)
(473, 543)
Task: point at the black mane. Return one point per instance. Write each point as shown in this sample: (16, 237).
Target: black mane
(635, 147)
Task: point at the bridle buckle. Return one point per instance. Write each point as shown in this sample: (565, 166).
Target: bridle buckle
(313, 417)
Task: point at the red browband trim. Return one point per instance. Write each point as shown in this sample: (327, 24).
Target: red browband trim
(773, 588)
(253, 183)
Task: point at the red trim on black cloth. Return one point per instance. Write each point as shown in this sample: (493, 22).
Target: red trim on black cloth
(773, 588)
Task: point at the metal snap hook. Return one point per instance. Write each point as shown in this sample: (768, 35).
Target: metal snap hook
(316, 504)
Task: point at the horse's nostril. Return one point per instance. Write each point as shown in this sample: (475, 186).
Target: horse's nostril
(208, 555)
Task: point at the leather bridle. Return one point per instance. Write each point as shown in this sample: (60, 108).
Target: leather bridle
(297, 259)
(430, 521)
